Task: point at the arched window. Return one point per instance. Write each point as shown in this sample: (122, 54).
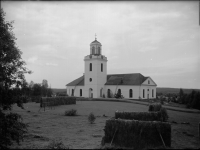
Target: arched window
(80, 92)
(152, 93)
(119, 91)
(90, 66)
(108, 94)
(93, 50)
(130, 93)
(90, 79)
(101, 67)
(99, 50)
(101, 92)
(148, 82)
(143, 93)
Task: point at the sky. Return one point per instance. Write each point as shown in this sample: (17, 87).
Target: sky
(160, 39)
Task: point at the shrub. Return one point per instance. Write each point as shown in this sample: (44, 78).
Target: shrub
(91, 118)
(56, 144)
(71, 112)
(155, 107)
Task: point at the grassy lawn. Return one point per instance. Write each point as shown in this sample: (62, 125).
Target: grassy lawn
(78, 133)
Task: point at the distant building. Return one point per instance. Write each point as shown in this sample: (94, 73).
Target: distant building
(95, 82)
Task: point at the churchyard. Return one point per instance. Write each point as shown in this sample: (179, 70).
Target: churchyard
(77, 133)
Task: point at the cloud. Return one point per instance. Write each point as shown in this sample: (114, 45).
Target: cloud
(32, 59)
(51, 64)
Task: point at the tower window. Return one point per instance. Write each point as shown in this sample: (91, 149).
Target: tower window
(90, 66)
(101, 67)
(143, 93)
(93, 50)
(99, 50)
(130, 93)
(80, 92)
(90, 79)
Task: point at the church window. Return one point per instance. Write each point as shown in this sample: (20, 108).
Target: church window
(101, 67)
(90, 79)
(80, 92)
(72, 92)
(152, 93)
(93, 50)
(119, 91)
(143, 93)
(108, 93)
(130, 93)
(90, 66)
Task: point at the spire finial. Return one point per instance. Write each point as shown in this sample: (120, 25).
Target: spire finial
(95, 36)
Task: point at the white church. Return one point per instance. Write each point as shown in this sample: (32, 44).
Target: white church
(96, 83)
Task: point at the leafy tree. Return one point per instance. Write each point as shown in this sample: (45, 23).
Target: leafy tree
(12, 70)
(181, 93)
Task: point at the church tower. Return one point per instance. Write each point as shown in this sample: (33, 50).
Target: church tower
(95, 71)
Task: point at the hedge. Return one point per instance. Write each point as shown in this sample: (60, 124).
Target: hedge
(143, 116)
(59, 100)
(136, 134)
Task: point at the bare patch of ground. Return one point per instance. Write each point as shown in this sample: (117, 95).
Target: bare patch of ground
(76, 132)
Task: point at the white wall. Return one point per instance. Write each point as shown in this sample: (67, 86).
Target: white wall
(76, 90)
(136, 90)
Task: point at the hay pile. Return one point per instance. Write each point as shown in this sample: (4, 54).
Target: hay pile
(143, 116)
(137, 134)
(55, 101)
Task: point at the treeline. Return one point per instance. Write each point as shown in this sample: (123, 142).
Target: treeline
(191, 100)
(31, 91)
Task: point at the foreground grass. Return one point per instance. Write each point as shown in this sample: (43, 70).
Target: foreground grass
(76, 132)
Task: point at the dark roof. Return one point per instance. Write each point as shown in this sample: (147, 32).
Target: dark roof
(79, 81)
(95, 41)
(116, 79)
(125, 79)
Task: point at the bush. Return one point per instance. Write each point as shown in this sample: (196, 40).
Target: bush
(91, 118)
(11, 129)
(71, 112)
(56, 144)
(155, 107)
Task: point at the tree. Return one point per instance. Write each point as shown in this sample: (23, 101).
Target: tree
(181, 93)
(12, 70)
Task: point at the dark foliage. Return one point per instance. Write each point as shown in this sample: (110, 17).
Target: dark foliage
(192, 100)
(71, 112)
(12, 72)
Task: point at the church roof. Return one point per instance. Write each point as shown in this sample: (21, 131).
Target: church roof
(116, 79)
(95, 41)
(79, 81)
(125, 79)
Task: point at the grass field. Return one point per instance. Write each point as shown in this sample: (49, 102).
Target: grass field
(78, 133)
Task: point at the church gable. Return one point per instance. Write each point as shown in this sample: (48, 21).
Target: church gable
(149, 81)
